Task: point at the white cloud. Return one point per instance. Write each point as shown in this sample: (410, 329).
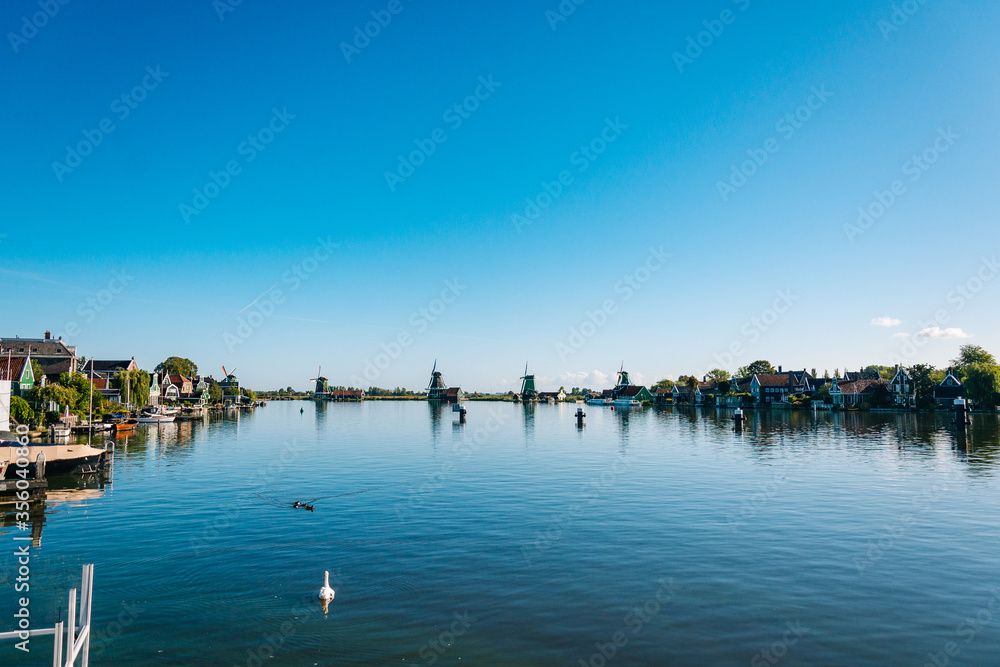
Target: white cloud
(938, 332)
(885, 322)
(594, 379)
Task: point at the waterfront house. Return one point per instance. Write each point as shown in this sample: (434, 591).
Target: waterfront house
(553, 396)
(154, 390)
(109, 368)
(346, 395)
(903, 389)
(18, 371)
(663, 396)
(52, 354)
(859, 392)
(949, 389)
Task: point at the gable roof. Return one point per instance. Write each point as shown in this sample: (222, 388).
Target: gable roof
(37, 347)
(16, 368)
(106, 366)
(631, 390)
(776, 380)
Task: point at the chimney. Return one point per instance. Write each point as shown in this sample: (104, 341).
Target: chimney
(48, 335)
(779, 370)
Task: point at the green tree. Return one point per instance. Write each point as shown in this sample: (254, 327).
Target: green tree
(20, 411)
(36, 370)
(925, 381)
(759, 367)
(663, 384)
(214, 393)
(177, 365)
(53, 392)
(982, 384)
(726, 387)
(718, 375)
(134, 386)
(968, 355)
(884, 372)
(692, 383)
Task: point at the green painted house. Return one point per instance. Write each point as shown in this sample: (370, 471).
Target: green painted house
(20, 373)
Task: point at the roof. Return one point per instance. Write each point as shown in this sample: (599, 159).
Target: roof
(55, 366)
(861, 386)
(861, 375)
(178, 379)
(453, 391)
(106, 366)
(37, 347)
(346, 392)
(631, 390)
(16, 368)
(548, 393)
(776, 380)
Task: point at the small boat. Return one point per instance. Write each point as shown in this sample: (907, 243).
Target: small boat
(59, 431)
(119, 421)
(606, 402)
(154, 416)
(626, 403)
(60, 458)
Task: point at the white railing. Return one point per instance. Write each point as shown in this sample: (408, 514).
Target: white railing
(77, 640)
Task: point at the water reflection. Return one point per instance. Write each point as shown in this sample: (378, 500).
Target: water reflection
(71, 490)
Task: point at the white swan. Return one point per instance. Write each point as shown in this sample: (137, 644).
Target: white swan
(326, 593)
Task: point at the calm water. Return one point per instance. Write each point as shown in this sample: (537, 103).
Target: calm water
(519, 539)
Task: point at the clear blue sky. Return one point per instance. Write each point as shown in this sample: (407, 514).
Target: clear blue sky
(522, 289)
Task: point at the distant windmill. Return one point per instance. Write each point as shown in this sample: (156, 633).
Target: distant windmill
(322, 384)
(436, 388)
(528, 391)
(623, 379)
(229, 375)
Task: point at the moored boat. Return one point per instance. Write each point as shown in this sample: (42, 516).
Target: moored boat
(155, 416)
(626, 403)
(60, 458)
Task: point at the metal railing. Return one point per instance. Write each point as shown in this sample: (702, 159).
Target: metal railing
(78, 631)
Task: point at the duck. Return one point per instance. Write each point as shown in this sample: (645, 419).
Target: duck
(326, 593)
(311, 508)
(297, 504)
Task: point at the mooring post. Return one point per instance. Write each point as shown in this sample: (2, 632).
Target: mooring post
(580, 414)
(738, 419)
(961, 414)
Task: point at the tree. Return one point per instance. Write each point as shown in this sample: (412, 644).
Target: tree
(214, 393)
(813, 372)
(718, 375)
(982, 384)
(759, 367)
(924, 382)
(826, 374)
(20, 411)
(884, 372)
(36, 370)
(971, 354)
(55, 393)
(177, 366)
(663, 384)
(692, 383)
(134, 386)
(726, 387)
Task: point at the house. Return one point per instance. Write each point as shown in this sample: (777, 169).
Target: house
(663, 396)
(453, 395)
(52, 354)
(777, 387)
(346, 395)
(154, 390)
(625, 389)
(859, 392)
(102, 385)
(109, 368)
(19, 372)
(903, 389)
(682, 394)
(949, 389)
(862, 374)
(553, 396)
(184, 384)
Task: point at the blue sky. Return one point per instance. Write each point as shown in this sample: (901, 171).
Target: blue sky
(641, 137)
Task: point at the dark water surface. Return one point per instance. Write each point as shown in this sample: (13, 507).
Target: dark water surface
(658, 536)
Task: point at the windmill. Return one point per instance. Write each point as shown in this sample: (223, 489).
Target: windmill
(322, 384)
(229, 375)
(528, 391)
(436, 388)
(623, 379)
